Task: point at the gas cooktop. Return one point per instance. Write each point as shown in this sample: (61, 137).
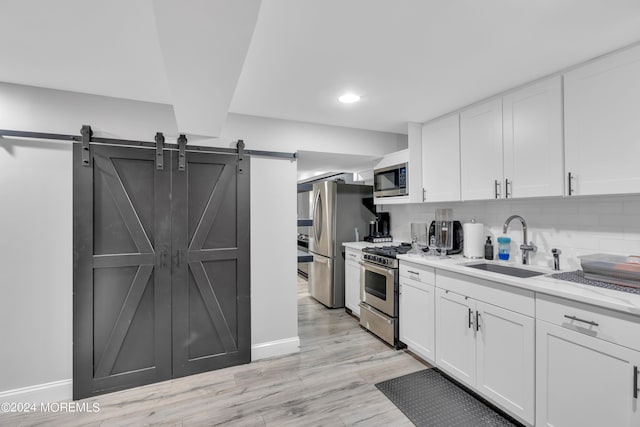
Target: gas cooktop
(388, 251)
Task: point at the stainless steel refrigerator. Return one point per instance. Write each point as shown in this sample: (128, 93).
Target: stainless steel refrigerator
(338, 209)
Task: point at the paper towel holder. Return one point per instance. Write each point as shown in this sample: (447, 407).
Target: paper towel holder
(474, 243)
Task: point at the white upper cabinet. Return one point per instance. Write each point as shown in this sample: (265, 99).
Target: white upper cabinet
(602, 125)
(481, 151)
(441, 159)
(511, 147)
(533, 152)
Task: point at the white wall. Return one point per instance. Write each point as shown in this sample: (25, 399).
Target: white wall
(261, 133)
(575, 225)
(274, 307)
(36, 224)
(36, 247)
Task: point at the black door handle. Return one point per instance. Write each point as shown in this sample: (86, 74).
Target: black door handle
(588, 322)
(635, 382)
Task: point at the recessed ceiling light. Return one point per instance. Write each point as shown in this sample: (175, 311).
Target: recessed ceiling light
(349, 98)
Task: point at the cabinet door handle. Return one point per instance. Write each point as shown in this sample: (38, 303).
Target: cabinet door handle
(470, 321)
(589, 322)
(163, 258)
(413, 272)
(477, 320)
(424, 195)
(178, 258)
(570, 181)
(635, 382)
(506, 189)
(496, 185)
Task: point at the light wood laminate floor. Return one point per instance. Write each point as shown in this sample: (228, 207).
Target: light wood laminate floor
(329, 382)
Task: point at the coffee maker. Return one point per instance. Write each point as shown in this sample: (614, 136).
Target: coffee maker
(458, 237)
(380, 229)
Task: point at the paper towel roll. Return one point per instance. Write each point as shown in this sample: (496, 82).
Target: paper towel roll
(473, 233)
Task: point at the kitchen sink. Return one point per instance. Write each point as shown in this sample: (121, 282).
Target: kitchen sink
(503, 269)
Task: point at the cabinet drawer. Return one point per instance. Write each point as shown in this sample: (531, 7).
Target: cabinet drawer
(407, 281)
(510, 297)
(608, 325)
(353, 255)
(421, 273)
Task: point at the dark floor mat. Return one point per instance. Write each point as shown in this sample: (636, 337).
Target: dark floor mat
(430, 399)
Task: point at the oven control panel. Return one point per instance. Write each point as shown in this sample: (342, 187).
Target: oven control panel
(381, 260)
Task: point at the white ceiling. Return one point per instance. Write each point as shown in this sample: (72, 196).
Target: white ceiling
(411, 60)
(148, 50)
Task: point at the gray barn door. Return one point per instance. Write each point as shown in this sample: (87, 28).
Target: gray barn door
(210, 222)
(122, 280)
(161, 267)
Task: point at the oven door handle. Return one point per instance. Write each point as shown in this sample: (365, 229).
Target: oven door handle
(385, 271)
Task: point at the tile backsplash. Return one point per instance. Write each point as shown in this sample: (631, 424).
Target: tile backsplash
(575, 225)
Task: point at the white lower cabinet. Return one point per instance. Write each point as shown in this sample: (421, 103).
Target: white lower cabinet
(584, 377)
(505, 359)
(417, 309)
(455, 336)
(545, 360)
(486, 347)
(352, 296)
(417, 328)
(583, 381)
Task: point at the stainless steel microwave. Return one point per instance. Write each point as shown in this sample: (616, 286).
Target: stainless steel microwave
(390, 181)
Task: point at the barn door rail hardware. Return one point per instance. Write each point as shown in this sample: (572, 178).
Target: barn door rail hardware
(159, 152)
(240, 146)
(88, 135)
(182, 155)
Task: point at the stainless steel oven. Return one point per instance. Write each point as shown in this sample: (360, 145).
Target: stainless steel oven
(378, 285)
(380, 292)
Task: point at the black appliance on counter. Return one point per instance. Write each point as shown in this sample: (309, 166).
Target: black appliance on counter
(379, 309)
(458, 237)
(380, 229)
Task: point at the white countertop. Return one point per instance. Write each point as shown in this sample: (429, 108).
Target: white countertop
(601, 297)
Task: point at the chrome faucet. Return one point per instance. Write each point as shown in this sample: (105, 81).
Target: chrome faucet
(524, 247)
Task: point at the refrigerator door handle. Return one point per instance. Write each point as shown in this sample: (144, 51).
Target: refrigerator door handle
(317, 219)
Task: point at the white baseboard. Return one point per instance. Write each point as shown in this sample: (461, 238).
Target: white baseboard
(56, 391)
(275, 348)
